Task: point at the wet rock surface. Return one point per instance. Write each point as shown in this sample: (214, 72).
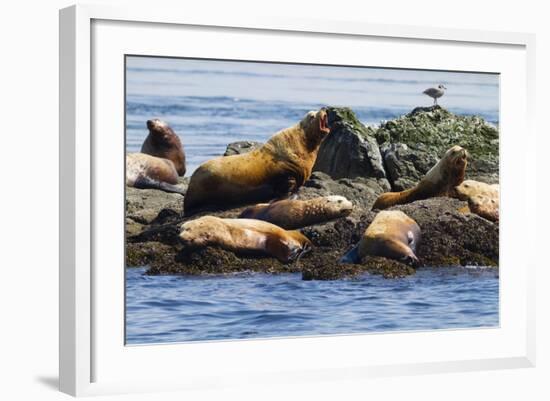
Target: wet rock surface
(450, 236)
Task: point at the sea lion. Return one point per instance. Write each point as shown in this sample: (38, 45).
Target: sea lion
(146, 171)
(483, 199)
(275, 170)
(439, 181)
(245, 235)
(163, 142)
(293, 213)
(392, 234)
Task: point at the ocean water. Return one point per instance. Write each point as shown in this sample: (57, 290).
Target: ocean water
(212, 103)
(163, 309)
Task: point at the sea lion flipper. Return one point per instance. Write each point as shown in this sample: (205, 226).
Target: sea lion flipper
(351, 256)
(144, 182)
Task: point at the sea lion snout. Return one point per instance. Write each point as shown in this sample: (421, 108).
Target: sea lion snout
(155, 122)
(341, 202)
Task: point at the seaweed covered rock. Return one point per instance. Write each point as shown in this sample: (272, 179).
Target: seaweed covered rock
(373, 265)
(411, 144)
(451, 237)
(350, 150)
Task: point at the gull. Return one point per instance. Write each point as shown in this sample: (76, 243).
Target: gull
(435, 93)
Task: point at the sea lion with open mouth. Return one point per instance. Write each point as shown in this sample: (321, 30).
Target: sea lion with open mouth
(275, 170)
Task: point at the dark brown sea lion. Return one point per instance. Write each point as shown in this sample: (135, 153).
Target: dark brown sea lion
(439, 181)
(275, 170)
(392, 234)
(163, 142)
(293, 213)
(245, 236)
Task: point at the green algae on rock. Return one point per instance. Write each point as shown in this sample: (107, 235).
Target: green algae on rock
(412, 142)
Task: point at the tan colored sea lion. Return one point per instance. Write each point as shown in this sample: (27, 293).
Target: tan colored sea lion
(146, 171)
(275, 170)
(483, 199)
(163, 142)
(439, 181)
(293, 213)
(392, 234)
(245, 235)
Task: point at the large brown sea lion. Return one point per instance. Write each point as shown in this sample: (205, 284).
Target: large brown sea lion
(275, 170)
(146, 171)
(439, 181)
(392, 234)
(483, 199)
(293, 213)
(163, 142)
(245, 236)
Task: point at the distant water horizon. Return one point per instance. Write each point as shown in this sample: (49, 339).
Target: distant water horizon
(212, 103)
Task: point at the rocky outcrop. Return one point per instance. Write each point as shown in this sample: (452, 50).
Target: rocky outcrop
(351, 150)
(411, 144)
(450, 236)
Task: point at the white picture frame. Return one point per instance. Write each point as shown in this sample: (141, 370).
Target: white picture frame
(91, 361)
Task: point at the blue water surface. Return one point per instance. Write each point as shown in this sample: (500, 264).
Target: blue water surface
(164, 309)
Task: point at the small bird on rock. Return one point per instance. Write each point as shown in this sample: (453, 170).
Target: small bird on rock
(435, 93)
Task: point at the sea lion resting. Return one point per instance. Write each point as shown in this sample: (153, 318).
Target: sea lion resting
(439, 181)
(163, 142)
(146, 171)
(392, 234)
(483, 199)
(245, 236)
(275, 170)
(294, 213)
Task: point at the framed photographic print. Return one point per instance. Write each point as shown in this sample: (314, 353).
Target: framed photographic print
(260, 199)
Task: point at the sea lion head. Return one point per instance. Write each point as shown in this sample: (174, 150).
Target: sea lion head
(200, 232)
(163, 142)
(315, 125)
(457, 156)
(161, 131)
(336, 206)
(456, 160)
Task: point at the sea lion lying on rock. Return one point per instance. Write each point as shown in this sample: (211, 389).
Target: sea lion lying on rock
(146, 171)
(275, 170)
(293, 213)
(245, 236)
(392, 234)
(483, 199)
(163, 142)
(439, 181)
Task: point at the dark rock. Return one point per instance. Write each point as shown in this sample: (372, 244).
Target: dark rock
(238, 148)
(413, 143)
(143, 205)
(372, 265)
(350, 150)
(361, 191)
(450, 237)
